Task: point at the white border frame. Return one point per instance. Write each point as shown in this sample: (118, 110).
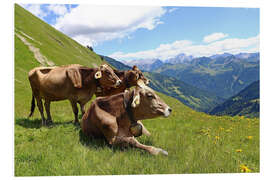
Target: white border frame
(7, 82)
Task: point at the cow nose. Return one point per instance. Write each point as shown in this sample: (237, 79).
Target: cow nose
(118, 82)
(167, 112)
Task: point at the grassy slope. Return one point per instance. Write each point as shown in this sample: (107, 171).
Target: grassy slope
(196, 142)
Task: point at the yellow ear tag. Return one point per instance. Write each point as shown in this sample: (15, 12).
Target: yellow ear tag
(137, 102)
(98, 75)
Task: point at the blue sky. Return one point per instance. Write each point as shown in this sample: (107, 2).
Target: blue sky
(190, 23)
(139, 32)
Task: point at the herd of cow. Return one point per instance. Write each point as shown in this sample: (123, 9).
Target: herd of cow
(116, 112)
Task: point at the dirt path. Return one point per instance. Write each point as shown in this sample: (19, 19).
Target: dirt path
(38, 56)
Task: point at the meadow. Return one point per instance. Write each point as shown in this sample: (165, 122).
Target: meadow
(196, 142)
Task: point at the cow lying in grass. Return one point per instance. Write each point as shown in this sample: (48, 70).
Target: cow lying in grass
(129, 78)
(73, 82)
(115, 117)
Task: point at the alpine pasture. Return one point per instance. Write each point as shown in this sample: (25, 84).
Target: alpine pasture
(196, 142)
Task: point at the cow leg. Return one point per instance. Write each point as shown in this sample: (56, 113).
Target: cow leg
(82, 108)
(133, 142)
(144, 130)
(40, 107)
(109, 127)
(75, 111)
(47, 107)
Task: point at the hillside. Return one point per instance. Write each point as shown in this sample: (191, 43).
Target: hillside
(245, 103)
(116, 64)
(223, 75)
(191, 96)
(51, 47)
(196, 142)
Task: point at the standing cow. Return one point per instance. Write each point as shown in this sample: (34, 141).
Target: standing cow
(73, 82)
(115, 117)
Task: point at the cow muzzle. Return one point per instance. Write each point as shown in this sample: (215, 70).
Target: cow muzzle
(118, 83)
(167, 112)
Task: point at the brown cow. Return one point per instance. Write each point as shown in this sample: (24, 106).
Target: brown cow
(73, 82)
(129, 78)
(115, 117)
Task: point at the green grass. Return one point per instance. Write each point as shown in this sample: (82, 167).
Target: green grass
(196, 142)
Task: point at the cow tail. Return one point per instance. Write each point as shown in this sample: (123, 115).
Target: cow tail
(33, 105)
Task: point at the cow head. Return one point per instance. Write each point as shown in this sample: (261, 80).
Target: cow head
(147, 104)
(139, 75)
(134, 75)
(107, 77)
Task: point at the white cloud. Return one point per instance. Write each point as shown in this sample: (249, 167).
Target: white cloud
(172, 10)
(214, 37)
(35, 9)
(166, 51)
(90, 24)
(58, 9)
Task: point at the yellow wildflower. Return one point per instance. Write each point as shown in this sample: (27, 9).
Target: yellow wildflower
(244, 168)
(250, 137)
(221, 128)
(238, 150)
(217, 137)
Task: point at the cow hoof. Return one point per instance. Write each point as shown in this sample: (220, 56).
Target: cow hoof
(164, 152)
(76, 123)
(44, 123)
(49, 124)
(160, 151)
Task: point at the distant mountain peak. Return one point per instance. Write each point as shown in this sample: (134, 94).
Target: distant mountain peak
(247, 55)
(224, 55)
(180, 58)
(145, 64)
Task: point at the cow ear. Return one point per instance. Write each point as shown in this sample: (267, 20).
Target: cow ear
(136, 101)
(140, 83)
(98, 75)
(103, 66)
(75, 77)
(135, 68)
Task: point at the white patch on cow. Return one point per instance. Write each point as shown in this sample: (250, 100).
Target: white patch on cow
(167, 112)
(136, 101)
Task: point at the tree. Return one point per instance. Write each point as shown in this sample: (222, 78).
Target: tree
(90, 47)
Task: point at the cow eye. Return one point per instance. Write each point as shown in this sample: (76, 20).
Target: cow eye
(149, 95)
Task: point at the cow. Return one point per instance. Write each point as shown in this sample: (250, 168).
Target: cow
(115, 117)
(129, 78)
(74, 82)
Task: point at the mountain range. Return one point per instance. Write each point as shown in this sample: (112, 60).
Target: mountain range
(223, 74)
